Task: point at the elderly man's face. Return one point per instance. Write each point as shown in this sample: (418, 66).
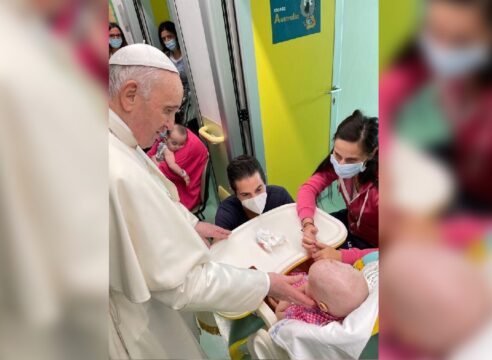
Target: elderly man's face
(156, 113)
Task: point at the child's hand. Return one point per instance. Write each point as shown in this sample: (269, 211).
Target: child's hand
(309, 238)
(279, 307)
(326, 252)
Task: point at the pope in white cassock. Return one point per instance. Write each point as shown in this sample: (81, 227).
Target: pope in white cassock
(159, 263)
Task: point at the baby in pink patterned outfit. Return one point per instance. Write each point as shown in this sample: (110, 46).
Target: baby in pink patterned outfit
(337, 288)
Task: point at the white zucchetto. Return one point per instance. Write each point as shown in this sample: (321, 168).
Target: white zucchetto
(142, 55)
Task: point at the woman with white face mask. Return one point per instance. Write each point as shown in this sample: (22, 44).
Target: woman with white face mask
(438, 94)
(252, 196)
(353, 162)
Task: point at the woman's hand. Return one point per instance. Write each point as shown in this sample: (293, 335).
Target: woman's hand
(326, 252)
(186, 180)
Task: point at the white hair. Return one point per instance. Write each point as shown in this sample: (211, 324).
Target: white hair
(120, 74)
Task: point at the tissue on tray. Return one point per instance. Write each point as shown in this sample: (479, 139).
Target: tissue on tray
(267, 240)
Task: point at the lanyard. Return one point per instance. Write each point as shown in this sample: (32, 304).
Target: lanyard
(350, 201)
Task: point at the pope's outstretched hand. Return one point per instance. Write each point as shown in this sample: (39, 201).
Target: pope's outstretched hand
(281, 289)
(207, 230)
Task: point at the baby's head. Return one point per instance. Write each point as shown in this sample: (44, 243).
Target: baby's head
(177, 138)
(336, 287)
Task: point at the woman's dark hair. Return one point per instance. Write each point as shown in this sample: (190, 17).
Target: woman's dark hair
(168, 26)
(243, 167)
(113, 25)
(363, 130)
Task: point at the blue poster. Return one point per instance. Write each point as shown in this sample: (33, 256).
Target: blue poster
(294, 18)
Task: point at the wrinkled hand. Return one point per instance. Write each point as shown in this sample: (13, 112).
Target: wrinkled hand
(206, 230)
(326, 252)
(281, 288)
(279, 307)
(309, 238)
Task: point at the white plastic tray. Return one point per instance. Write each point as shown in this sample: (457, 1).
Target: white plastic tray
(242, 250)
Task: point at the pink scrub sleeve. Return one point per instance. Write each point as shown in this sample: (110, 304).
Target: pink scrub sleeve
(350, 256)
(309, 191)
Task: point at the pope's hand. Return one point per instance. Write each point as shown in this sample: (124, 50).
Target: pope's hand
(281, 289)
(206, 230)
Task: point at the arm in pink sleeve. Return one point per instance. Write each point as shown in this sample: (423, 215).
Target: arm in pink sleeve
(309, 191)
(153, 149)
(350, 256)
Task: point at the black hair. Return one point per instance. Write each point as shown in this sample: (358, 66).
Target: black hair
(113, 25)
(242, 167)
(168, 26)
(365, 131)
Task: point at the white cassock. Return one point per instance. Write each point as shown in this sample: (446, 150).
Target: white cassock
(158, 262)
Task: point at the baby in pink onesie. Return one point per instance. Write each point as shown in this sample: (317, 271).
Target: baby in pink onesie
(337, 288)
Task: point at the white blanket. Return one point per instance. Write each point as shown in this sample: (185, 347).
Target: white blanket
(333, 341)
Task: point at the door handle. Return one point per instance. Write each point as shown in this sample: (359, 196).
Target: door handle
(212, 139)
(333, 90)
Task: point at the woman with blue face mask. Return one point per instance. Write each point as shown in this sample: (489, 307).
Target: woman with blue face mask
(353, 162)
(170, 44)
(116, 38)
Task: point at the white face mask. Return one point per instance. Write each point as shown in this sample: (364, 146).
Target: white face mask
(448, 63)
(346, 171)
(256, 204)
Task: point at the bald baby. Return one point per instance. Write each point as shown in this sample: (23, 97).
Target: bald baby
(338, 288)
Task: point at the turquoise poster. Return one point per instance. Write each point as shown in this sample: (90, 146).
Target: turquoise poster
(294, 18)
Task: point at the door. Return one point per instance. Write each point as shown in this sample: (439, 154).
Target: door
(289, 86)
(356, 59)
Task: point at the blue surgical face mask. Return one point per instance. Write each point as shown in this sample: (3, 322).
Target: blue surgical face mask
(346, 171)
(449, 63)
(115, 43)
(171, 44)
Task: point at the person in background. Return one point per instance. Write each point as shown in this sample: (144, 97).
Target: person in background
(116, 38)
(354, 163)
(170, 44)
(190, 156)
(251, 195)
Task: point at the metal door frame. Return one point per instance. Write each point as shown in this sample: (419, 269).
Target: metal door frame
(336, 91)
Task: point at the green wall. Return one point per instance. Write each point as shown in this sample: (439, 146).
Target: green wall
(160, 11)
(398, 20)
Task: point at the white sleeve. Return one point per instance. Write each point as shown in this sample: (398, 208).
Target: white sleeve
(192, 219)
(333, 341)
(218, 287)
